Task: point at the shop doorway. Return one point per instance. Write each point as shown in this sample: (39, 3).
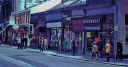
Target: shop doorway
(78, 36)
(55, 37)
(89, 39)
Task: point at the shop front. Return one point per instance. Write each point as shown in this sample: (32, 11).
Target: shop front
(40, 27)
(66, 30)
(22, 22)
(78, 28)
(98, 28)
(54, 33)
(78, 31)
(54, 29)
(91, 33)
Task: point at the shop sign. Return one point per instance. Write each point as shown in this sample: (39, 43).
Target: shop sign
(54, 16)
(92, 28)
(88, 34)
(54, 24)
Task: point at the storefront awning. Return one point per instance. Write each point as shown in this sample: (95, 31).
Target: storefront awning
(44, 6)
(69, 3)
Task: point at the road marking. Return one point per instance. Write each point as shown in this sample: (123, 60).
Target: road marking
(14, 61)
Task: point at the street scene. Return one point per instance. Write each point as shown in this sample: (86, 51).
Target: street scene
(66, 33)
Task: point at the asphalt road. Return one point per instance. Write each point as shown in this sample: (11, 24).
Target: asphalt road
(12, 57)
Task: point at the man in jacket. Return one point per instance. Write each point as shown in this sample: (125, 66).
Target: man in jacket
(119, 50)
(108, 50)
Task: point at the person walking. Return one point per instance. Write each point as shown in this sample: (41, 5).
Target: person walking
(25, 42)
(119, 50)
(45, 44)
(108, 50)
(18, 42)
(94, 51)
(22, 43)
(101, 48)
(65, 45)
(41, 44)
(74, 46)
(28, 42)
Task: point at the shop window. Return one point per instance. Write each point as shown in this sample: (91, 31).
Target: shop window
(126, 19)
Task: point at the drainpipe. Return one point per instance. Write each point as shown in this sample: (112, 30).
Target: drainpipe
(115, 26)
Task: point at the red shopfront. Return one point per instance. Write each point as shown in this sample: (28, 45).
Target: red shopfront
(22, 20)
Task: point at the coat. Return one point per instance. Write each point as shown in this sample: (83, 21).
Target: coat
(107, 48)
(94, 48)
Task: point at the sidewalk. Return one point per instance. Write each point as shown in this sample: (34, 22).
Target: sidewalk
(82, 57)
(86, 57)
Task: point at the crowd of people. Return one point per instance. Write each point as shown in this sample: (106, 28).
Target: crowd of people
(106, 49)
(25, 42)
(99, 49)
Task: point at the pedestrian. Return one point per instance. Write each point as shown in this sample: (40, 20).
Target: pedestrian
(119, 50)
(28, 42)
(45, 44)
(60, 46)
(9, 41)
(41, 44)
(74, 46)
(18, 42)
(94, 51)
(108, 50)
(22, 43)
(65, 45)
(101, 48)
(25, 42)
(56, 41)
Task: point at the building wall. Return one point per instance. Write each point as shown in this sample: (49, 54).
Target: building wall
(122, 10)
(6, 8)
(101, 11)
